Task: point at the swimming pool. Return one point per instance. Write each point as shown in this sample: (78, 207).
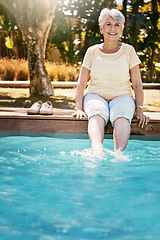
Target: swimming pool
(53, 187)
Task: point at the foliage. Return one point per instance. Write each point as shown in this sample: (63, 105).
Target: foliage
(34, 18)
(143, 32)
(14, 69)
(75, 28)
(12, 43)
(17, 70)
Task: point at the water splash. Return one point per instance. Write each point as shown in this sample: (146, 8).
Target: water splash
(102, 155)
(120, 156)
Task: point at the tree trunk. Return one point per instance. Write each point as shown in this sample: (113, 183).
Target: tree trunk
(40, 83)
(38, 27)
(34, 18)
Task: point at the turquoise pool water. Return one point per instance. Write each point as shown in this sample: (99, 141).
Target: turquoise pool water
(54, 188)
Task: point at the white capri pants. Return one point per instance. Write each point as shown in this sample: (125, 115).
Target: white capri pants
(123, 106)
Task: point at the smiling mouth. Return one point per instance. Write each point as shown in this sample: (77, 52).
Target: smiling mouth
(112, 34)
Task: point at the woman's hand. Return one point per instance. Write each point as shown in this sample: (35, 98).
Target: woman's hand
(79, 114)
(143, 119)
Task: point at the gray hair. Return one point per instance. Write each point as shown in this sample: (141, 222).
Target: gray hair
(113, 13)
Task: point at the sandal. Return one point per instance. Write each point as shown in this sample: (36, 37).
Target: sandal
(46, 108)
(35, 108)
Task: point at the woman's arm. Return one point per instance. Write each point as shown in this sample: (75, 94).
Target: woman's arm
(138, 90)
(81, 85)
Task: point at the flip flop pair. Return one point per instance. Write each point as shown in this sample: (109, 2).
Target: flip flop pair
(41, 108)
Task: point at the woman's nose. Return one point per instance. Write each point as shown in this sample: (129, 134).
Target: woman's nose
(112, 27)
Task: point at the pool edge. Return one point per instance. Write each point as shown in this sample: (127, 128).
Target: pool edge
(17, 120)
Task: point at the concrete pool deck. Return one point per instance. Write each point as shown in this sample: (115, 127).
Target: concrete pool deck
(17, 120)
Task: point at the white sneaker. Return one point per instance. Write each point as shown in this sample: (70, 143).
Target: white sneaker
(46, 108)
(35, 108)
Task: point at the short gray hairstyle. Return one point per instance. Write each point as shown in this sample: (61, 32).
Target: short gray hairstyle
(114, 13)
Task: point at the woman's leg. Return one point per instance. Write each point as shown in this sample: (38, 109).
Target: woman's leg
(121, 113)
(97, 111)
(96, 131)
(121, 133)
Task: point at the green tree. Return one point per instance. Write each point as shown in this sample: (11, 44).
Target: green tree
(15, 46)
(142, 32)
(34, 18)
(62, 36)
(76, 27)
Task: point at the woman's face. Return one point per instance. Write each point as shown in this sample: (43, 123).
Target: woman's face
(111, 29)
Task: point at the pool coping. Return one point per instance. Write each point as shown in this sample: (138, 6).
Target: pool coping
(17, 120)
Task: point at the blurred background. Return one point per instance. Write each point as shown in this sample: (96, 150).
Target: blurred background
(74, 29)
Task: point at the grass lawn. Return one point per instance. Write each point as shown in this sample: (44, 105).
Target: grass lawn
(64, 98)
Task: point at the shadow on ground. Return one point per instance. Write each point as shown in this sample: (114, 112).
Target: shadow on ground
(22, 102)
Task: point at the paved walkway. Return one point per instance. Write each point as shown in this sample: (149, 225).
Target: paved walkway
(17, 120)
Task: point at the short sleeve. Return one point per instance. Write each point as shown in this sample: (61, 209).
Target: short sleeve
(87, 61)
(133, 58)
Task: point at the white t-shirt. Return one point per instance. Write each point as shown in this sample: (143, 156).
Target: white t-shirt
(109, 73)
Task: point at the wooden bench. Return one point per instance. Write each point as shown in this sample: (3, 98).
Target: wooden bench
(17, 120)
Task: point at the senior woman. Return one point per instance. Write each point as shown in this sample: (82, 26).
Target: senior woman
(110, 66)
